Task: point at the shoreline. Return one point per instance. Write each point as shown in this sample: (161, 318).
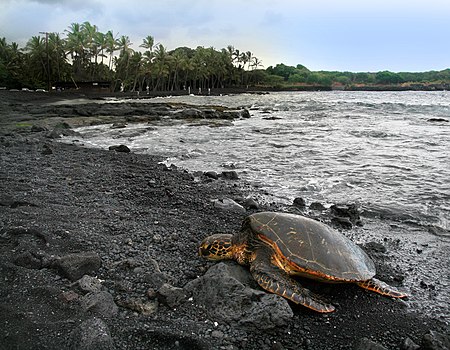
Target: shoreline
(136, 225)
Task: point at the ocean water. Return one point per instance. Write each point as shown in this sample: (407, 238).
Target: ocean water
(379, 149)
(389, 152)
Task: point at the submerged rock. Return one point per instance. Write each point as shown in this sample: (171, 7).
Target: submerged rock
(437, 120)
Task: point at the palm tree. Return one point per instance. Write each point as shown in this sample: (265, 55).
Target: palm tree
(76, 44)
(148, 43)
(110, 46)
(12, 67)
(179, 59)
(161, 65)
(123, 62)
(99, 41)
(149, 55)
(37, 55)
(124, 45)
(57, 55)
(136, 66)
(255, 64)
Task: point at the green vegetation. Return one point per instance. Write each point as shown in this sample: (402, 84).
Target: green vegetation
(85, 54)
(300, 75)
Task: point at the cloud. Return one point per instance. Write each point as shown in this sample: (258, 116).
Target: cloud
(321, 34)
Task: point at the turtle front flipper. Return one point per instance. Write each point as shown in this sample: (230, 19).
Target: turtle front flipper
(276, 281)
(382, 288)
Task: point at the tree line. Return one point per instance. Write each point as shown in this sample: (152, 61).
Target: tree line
(290, 75)
(85, 54)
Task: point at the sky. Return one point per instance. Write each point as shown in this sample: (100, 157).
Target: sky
(341, 35)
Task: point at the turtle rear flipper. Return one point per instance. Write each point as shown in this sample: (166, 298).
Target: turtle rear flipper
(276, 281)
(382, 288)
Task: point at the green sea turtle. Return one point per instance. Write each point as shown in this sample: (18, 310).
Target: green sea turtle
(279, 245)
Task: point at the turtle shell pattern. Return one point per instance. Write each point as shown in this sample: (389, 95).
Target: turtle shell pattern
(311, 248)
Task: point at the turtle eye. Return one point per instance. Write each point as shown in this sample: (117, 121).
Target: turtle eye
(205, 250)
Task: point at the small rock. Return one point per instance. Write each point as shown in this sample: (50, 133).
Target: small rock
(171, 296)
(376, 247)
(272, 118)
(100, 303)
(230, 175)
(151, 293)
(367, 344)
(340, 222)
(69, 296)
(438, 120)
(145, 308)
(156, 279)
(74, 266)
(299, 202)
(29, 260)
(62, 130)
(349, 211)
(408, 344)
(120, 148)
(211, 174)
(316, 206)
(46, 150)
(229, 205)
(89, 284)
(37, 128)
(436, 341)
(187, 113)
(250, 203)
(118, 126)
(92, 334)
(217, 334)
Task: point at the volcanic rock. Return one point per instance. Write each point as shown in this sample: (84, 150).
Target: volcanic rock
(299, 202)
(74, 266)
(367, 344)
(229, 205)
(92, 334)
(230, 175)
(227, 293)
(119, 148)
(100, 304)
(170, 295)
(436, 341)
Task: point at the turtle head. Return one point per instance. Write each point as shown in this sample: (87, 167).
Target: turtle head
(217, 247)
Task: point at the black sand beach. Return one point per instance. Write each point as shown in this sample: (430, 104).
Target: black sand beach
(98, 249)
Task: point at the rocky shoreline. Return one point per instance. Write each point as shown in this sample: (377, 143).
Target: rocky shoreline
(99, 250)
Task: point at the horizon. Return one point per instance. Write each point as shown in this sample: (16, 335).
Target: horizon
(349, 37)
